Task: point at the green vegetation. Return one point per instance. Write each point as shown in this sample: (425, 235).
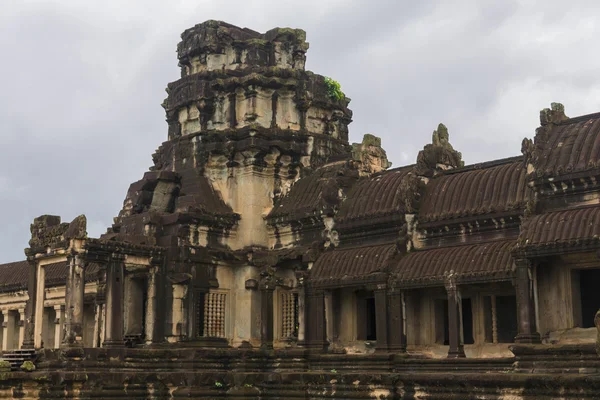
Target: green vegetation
(28, 366)
(334, 89)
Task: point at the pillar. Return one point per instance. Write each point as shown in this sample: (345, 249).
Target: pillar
(5, 328)
(301, 317)
(26, 337)
(315, 320)
(58, 325)
(133, 306)
(39, 307)
(22, 327)
(266, 313)
(456, 349)
(527, 331)
(329, 318)
(114, 304)
(397, 333)
(155, 308)
(381, 317)
(100, 304)
(74, 298)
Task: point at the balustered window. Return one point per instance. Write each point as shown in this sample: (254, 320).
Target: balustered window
(289, 314)
(211, 317)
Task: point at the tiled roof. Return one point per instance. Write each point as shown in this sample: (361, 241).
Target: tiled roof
(499, 188)
(469, 262)
(344, 264)
(14, 276)
(374, 196)
(306, 195)
(561, 227)
(572, 146)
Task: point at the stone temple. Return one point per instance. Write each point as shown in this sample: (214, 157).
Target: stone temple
(264, 256)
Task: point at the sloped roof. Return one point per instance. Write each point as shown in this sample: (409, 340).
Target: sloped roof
(565, 227)
(378, 195)
(481, 189)
(15, 275)
(197, 193)
(573, 145)
(483, 261)
(342, 265)
(308, 194)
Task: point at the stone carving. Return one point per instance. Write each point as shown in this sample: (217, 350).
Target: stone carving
(553, 115)
(370, 154)
(47, 231)
(438, 155)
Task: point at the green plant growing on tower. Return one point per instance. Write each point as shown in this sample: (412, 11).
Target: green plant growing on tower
(334, 89)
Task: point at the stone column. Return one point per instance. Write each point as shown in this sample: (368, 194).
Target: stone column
(301, 279)
(133, 305)
(381, 317)
(315, 323)
(113, 336)
(22, 327)
(155, 308)
(100, 305)
(5, 327)
(27, 337)
(329, 318)
(39, 307)
(266, 312)
(397, 336)
(527, 332)
(454, 318)
(301, 317)
(74, 298)
(58, 325)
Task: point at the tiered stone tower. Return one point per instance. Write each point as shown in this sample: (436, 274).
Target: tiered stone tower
(245, 122)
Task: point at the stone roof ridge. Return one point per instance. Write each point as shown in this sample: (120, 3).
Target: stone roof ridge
(484, 165)
(579, 118)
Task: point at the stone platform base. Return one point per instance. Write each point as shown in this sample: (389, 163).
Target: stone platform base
(199, 373)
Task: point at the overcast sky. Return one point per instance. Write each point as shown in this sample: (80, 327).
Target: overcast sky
(81, 83)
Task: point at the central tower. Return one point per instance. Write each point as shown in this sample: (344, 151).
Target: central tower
(245, 121)
(248, 117)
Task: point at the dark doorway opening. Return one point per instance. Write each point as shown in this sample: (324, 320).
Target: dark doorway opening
(442, 331)
(371, 319)
(467, 321)
(590, 296)
(506, 316)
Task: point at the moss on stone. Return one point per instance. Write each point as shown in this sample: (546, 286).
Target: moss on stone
(28, 366)
(4, 365)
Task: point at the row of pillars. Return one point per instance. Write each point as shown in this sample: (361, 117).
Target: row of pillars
(389, 318)
(110, 296)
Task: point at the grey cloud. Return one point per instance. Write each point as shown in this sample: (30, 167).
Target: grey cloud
(81, 84)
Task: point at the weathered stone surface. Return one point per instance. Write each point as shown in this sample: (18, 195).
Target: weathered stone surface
(263, 256)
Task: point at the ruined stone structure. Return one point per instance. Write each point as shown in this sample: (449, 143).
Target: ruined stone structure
(264, 256)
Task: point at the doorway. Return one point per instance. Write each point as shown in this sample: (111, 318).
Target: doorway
(590, 296)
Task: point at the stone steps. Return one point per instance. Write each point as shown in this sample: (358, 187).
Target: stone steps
(17, 357)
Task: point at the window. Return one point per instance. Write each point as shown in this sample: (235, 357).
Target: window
(210, 319)
(289, 315)
(500, 317)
